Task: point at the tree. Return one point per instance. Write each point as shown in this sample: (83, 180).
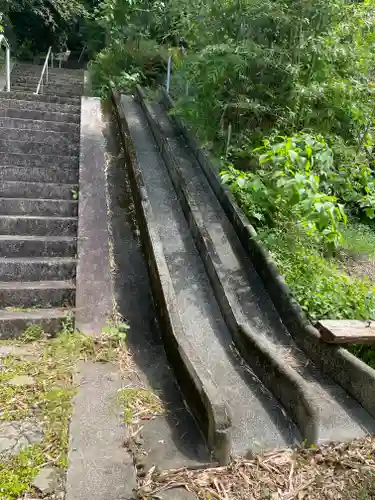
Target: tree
(37, 24)
(50, 11)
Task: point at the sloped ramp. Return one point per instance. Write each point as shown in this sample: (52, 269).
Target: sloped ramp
(245, 380)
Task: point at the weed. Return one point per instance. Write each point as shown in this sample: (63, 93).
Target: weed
(22, 309)
(139, 402)
(115, 332)
(75, 193)
(68, 324)
(32, 333)
(47, 400)
(17, 473)
(50, 364)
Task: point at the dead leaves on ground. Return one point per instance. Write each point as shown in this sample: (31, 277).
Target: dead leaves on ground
(344, 471)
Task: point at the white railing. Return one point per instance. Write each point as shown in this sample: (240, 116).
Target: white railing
(82, 52)
(4, 41)
(44, 76)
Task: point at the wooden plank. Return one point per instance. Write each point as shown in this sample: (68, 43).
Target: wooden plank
(346, 331)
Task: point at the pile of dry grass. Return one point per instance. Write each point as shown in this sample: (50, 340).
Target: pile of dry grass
(342, 471)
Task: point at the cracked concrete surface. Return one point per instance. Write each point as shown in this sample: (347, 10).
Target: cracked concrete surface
(17, 435)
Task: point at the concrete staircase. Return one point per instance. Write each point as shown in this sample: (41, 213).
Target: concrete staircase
(39, 167)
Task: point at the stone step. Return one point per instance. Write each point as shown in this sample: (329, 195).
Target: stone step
(38, 246)
(21, 89)
(39, 174)
(33, 81)
(36, 71)
(28, 114)
(44, 294)
(50, 107)
(51, 126)
(38, 226)
(44, 190)
(13, 324)
(52, 74)
(51, 90)
(38, 207)
(37, 160)
(44, 136)
(37, 148)
(37, 268)
(40, 97)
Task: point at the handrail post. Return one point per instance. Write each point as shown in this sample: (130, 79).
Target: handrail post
(8, 67)
(44, 71)
(4, 41)
(169, 70)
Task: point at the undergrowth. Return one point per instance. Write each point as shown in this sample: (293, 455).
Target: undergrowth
(48, 399)
(124, 65)
(318, 281)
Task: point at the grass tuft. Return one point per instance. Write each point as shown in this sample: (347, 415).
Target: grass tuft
(318, 283)
(139, 402)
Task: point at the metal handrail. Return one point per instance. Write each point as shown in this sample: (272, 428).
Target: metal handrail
(4, 41)
(45, 71)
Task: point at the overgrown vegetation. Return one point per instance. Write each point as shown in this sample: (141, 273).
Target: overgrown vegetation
(33, 25)
(46, 396)
(47, 399)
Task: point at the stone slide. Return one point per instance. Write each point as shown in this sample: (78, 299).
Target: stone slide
(229, 347)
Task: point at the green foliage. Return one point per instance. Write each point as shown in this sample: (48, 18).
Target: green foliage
(319, 285)
(16, 475)
(132, 55)
(277, 68)
(123, 65)
(116, 332)
(50, 12)
(287, 186)
(34, 25)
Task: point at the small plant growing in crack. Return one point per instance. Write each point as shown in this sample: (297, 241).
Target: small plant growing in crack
(67, 326)
(32, 333)
(139, 403)
(116, 332)
(75, 193)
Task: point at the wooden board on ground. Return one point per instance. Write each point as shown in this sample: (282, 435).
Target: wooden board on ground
(346, 331)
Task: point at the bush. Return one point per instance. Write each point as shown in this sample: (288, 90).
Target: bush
(289, 186)
(123, 65)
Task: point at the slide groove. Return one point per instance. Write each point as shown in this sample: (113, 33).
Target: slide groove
(201, 393)
(322, 411)
(357, 378)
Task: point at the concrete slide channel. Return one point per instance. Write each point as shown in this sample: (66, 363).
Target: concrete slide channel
(247, 383)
